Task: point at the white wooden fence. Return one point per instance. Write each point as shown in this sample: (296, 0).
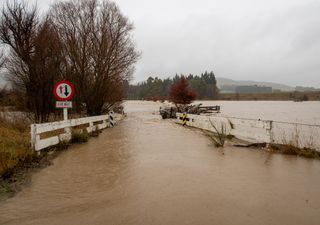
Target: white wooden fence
(259, 131)
(244, 129)
(37, 130)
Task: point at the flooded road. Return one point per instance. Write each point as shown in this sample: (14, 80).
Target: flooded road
(152, 171)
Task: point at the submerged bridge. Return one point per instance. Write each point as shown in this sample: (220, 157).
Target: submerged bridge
(152, 171)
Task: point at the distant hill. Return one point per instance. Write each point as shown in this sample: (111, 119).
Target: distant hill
(225, 81)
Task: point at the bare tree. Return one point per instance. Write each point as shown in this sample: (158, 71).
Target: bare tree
(34, 62)
(1, 59)
(99, 50)
(86, 41)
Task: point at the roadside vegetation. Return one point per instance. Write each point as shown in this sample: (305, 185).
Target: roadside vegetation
(14, 146)
(221, 133)
(79, 136)
(289, 149)
(297, 143)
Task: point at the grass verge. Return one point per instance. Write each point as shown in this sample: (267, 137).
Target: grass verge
(14, 147)
(15, 153)
(17, 160)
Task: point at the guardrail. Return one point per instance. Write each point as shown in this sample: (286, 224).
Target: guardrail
(254, 130)
(48, 134)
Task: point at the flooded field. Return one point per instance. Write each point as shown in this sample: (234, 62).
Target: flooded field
(152, 171)
(284, 111)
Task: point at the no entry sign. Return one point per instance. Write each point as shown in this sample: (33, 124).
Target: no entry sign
(63, 90)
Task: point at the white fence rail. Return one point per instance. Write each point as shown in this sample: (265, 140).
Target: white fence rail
(245, 129)
(300, 135)
(38, 143)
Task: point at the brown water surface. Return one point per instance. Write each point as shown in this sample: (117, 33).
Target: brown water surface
(152, 171)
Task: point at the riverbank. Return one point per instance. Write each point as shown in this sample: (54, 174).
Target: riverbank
(17, 160)
(21, 174)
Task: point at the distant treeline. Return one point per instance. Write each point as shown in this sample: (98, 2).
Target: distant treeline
(276, 96)
(205, 85)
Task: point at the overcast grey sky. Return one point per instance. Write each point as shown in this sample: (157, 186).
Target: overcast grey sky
(263, 40)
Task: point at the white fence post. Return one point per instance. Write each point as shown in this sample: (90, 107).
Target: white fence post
(33, 135)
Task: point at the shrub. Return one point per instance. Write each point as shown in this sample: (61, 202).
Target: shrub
(79, 136)
(17, 121)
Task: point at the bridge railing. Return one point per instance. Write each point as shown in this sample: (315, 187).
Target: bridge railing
(48, 134)
(254, 130)
(245, 129)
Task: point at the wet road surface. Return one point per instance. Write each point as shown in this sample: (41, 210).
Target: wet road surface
(152, 171)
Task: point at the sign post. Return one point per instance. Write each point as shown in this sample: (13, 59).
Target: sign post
(65, 114)
(63, 92)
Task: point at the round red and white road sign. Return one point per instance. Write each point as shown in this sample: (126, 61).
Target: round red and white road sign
(63, 90)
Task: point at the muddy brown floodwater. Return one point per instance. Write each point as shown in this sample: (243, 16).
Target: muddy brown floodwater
(152, 171)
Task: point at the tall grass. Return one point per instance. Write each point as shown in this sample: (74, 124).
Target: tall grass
(14, 144)
(295, 143)
(220, 133)
(15, 120)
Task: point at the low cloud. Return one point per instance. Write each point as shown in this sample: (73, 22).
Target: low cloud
(247, 40)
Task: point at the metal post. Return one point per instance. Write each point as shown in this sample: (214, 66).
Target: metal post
(270, 131)
(65, 114)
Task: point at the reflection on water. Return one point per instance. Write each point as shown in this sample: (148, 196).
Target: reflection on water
(152, 171)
